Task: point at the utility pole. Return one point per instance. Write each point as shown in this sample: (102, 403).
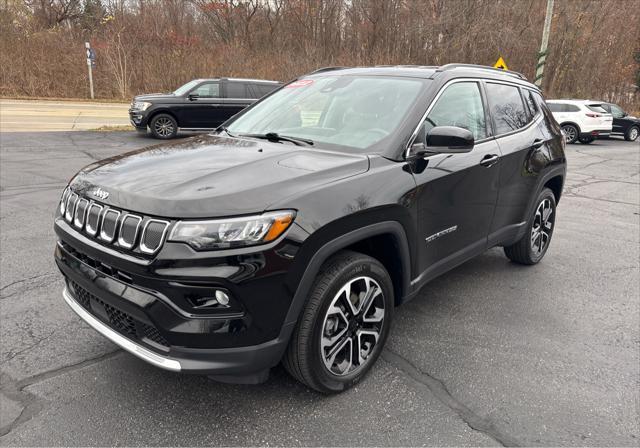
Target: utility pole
(89, 66)
(542, 56)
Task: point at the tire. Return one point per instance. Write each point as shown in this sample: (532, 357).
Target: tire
(529, 250)
(586, 140)
(163, 126)
(632, 134)
(571, 133)
(328, 322)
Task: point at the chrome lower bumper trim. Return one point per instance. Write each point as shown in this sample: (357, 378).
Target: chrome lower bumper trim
(130, 346)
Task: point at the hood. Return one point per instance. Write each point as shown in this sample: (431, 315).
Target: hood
(153, 96)
(213, 176)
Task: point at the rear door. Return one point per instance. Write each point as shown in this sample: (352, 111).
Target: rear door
(601, 116)
(237, 97)
(457, 193)
(517, 127)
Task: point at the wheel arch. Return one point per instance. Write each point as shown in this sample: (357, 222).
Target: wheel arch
(162, 111)
(564, 123)
(372, 240)
(555, 184)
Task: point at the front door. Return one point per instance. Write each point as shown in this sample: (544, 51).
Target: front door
(203, 107)
(457, 193)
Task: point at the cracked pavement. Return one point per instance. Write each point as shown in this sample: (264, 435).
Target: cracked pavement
(489, 354)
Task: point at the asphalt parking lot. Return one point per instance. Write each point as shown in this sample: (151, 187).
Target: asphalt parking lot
(491, 353)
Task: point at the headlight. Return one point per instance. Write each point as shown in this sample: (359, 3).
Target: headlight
(140, 105)
(233, 232)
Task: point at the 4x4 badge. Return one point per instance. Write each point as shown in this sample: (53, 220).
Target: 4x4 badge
(100, 193)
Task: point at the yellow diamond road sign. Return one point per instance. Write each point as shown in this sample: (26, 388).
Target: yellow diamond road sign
(501, 64)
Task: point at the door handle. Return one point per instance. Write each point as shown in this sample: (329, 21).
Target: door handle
(489, 160)
(537, 143)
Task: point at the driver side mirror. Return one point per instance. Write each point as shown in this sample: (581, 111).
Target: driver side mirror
(193, 96)
(442, 140)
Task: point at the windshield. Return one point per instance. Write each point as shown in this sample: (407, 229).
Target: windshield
(349, 111)
(185, 88)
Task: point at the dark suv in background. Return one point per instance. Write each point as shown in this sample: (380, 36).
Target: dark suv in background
(292, 232)
(201, 104)
(623, 124)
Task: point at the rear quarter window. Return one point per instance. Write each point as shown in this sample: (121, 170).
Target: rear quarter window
(507, 109)
(596, 108)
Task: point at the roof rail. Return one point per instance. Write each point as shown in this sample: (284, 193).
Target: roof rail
(325, 69)
(481, 67)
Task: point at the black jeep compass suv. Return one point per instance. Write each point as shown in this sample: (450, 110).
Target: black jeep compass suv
(292, 232)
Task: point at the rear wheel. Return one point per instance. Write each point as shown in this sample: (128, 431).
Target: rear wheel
(586, 140)
(163, 126)
(344, 325)
(570, 133)
(632, 134)
(534, 244)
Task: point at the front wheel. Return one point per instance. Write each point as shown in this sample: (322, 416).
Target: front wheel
(344, 325)
(163, 126)
(632, 134)
(534, 244)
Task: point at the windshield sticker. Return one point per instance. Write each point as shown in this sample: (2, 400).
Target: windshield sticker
(299, 83)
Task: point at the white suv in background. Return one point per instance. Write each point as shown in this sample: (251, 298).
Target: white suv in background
(581, 120)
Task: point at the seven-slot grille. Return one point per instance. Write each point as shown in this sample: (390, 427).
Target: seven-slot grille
(110, 225)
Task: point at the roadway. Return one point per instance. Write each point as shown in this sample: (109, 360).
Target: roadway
(491, 353)
(46, 116)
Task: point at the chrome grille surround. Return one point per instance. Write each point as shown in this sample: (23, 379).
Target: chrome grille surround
(63, 201)
(121, 236)
(89, 228)
(81, 213)
(105, 235)
(143, 246)
(71, 207)
(132, 233)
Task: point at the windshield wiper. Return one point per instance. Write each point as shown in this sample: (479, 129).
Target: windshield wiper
(275, 137)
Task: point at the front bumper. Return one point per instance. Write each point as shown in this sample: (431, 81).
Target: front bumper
(138, 119)
(145, 308)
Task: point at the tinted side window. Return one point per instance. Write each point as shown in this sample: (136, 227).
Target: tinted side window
(555, 107)
(252, 90)
(506, 107)
(237, 90)
(207, 90)
(571, 108)
(459, 105)
(266, 88)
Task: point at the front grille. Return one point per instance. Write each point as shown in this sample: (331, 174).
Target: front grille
(109, 225)
(129, 231)
(71, 207)
(120, 321)
(93, 219)
(81, 211)
(152, 236)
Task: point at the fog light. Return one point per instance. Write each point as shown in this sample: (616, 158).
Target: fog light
(222, 298)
